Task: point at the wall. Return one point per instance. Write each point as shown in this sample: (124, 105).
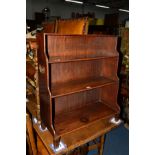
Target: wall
(64, 9)
(29, 11)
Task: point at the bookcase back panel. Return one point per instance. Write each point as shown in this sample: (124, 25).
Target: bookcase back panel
(106, 94)
(75, 101)
(76, 47)
(71, 71)
(80, 109)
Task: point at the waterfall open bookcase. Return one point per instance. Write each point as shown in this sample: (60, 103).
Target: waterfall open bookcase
(78, 83)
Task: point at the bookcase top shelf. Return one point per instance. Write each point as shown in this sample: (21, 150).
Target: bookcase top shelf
(61, 59)
(83, 35)
(67, 48)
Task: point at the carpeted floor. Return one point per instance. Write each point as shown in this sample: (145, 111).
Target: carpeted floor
(116, 142)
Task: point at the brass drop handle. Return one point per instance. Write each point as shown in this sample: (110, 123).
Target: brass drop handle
(41, 69)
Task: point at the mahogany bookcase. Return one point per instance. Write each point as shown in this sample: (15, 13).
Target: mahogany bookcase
(78, 83)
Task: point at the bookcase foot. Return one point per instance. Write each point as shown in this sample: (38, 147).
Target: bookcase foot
(56, 141)
(117, 118)
(43, 127)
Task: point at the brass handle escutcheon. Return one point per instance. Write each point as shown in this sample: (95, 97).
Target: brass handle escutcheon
(41, 69)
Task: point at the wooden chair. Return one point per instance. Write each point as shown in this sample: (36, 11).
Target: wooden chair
(84, 149)
(97, 145)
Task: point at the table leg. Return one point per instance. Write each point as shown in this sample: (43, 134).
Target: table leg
(101, 145)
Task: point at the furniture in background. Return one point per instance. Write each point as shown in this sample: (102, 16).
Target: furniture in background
(124, 74)
(48, 27)
(66, 26)
(32, 87)
(31, 24)
(39, 17)
(109, 25)
(124, 48)
(80, 15)
(72, 26)
(59, 26)
(77, 74)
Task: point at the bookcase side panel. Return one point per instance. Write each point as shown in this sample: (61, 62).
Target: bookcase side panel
(110, 68)
(109, 94)
(44, 91)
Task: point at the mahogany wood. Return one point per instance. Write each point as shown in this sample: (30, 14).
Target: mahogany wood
(63, 104)
(69, 121)
(72, 71)
(60, 59)
(75, 138)
(78, 81)
(46, 108)
(76, 47)
(67, 88)
(49, 27)
(41, 148)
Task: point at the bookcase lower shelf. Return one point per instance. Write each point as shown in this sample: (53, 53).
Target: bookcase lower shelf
(79, 118)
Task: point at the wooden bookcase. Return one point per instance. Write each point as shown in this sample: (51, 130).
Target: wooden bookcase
(78, 81)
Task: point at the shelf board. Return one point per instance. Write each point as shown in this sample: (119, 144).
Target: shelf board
(62, 59)
(79, 85)
(79, 118)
